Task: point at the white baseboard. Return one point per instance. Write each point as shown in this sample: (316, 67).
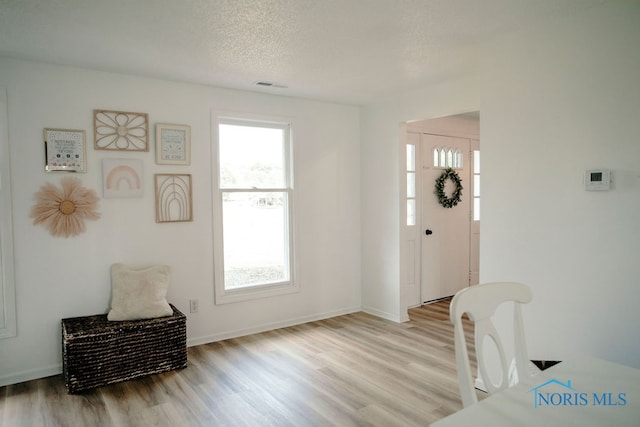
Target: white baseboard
(225, 335)
(383, 314)
(56, 369)
(32, 374)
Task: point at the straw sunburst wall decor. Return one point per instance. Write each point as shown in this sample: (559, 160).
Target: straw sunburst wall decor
(63, 211)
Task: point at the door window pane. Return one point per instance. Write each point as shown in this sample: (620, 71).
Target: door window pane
(411, 212)
(457, 159)
(476, 185)
(411, 185)
(476, 161)
(411, 157)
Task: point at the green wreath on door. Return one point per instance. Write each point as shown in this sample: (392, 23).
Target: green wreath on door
(456, 196)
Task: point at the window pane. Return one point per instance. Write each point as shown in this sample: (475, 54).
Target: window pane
(457, 159)
(436, 157)
(411, 185)
(476, 185)
(476, 209)
(411, 212)
(443, 158)
(411, 157)
(251, 157)
(476, 161)
(255, 238)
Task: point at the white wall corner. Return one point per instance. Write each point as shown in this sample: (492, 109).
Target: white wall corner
(398, 318)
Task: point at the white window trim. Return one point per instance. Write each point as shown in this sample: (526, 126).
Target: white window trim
(7, 283)
(222, 295)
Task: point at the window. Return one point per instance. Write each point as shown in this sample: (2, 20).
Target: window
(476, 185)
(7, 287)
(411, 184)
(447, 158)
(253, 219)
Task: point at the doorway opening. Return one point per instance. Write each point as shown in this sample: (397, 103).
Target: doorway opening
(440, 241)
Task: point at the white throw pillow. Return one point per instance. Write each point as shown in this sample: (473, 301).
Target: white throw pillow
(139, 294)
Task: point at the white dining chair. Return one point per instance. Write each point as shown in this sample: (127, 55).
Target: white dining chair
(480, 303)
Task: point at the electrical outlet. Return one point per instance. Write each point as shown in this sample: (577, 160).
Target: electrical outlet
(193, 306)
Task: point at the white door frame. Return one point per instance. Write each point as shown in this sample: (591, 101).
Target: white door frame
(410, 254)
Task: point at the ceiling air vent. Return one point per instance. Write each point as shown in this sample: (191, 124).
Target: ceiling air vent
(265, 83)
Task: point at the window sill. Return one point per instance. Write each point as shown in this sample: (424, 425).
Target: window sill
(254, 292)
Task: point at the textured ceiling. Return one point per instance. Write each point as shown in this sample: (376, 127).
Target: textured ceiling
(349, 51)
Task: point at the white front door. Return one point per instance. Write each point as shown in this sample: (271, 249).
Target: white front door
(445, 231)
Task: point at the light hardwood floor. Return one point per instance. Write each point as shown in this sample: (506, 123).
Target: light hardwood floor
(352, 370)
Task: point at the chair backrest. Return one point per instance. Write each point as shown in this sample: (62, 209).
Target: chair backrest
(480, 303)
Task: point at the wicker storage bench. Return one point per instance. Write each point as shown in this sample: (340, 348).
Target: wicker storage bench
(97, 352)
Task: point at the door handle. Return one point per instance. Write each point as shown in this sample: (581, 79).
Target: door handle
(428, 232)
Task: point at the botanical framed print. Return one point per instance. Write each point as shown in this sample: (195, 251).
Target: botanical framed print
(173, 198)
(120, 130)
(122, 178)
(173, 144)
(65, 150)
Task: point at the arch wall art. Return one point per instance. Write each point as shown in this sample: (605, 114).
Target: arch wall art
(122, 178)
(173, 198)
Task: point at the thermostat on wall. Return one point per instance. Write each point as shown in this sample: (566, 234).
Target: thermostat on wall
(597, 180)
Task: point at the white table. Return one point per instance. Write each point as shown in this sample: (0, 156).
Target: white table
(582, 392)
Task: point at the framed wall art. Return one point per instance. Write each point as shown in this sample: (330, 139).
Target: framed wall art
(173, 198)
(122, 178)
(120, 130)
(173, 144)
(65, 150)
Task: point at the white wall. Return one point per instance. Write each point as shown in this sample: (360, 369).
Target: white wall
(58, 277)
(557, 100)
(569, 89)
(382, 143)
